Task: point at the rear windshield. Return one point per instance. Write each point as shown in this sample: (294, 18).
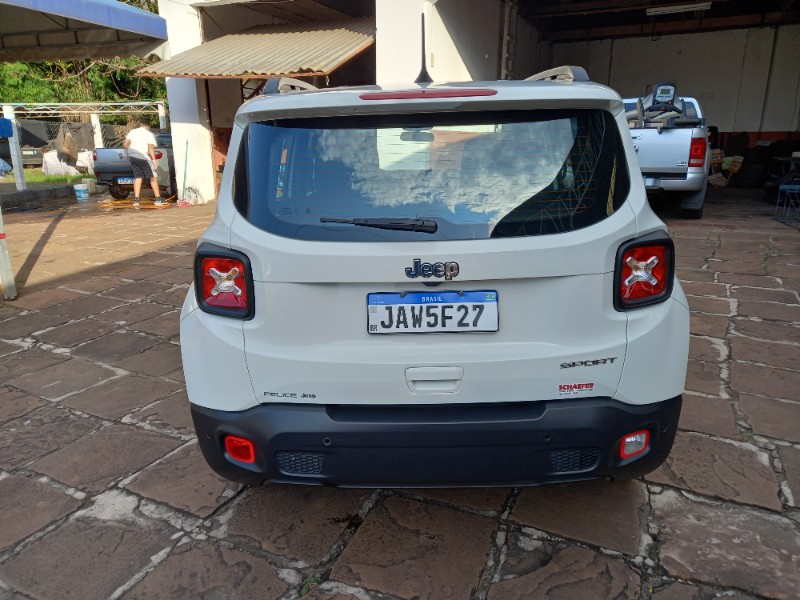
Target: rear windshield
(452, 176)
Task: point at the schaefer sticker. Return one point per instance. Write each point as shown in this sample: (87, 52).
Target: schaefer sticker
(573, 389)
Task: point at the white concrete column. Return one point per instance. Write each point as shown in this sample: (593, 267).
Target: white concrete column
(188, 108)
(191, 139)
(98, 131)
(16, 151)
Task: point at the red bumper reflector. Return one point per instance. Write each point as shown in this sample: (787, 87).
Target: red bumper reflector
(634, 443)
(240, 449)
(427, 93)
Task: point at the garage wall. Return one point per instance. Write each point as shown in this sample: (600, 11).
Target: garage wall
(728, 71)
(463, 39)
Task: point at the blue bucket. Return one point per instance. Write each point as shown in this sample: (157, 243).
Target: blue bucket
(81, 192)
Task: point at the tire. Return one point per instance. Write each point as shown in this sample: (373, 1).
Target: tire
(118, 193)
(692, 213)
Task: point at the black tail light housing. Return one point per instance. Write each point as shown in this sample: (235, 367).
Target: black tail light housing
(223, 282)
(644, 271)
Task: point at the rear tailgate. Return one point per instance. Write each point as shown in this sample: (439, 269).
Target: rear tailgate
(663, 152)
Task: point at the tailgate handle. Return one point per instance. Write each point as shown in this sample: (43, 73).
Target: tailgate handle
(434, 380)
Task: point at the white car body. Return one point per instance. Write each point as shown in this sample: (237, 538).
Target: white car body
(321, 400)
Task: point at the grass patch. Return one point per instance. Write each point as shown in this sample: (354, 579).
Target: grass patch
(36, 176)
(309, 584)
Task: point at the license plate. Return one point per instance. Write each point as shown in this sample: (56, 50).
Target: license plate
(432, 312)
(124, 180)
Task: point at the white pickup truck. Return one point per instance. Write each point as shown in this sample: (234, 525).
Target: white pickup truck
(671, 142)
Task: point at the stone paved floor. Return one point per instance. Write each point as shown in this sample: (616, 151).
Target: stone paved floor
(103, 493)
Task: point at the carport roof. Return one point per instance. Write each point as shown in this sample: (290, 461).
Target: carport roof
(36, 30)
(294, 49)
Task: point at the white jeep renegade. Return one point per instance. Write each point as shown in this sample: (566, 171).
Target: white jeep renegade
(435, 285)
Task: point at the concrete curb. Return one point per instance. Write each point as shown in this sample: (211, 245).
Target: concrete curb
(17, 199)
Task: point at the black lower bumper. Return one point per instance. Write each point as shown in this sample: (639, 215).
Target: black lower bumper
(516, 444)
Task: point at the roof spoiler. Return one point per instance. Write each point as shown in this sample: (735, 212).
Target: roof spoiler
(282, 85)
(565, 73)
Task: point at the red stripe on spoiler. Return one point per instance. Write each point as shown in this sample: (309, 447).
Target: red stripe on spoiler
(405, 95)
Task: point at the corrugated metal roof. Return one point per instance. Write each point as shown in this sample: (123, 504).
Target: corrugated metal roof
(296, 49)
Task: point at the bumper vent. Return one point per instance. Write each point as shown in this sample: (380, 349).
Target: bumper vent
(579, 459)
(300, 463)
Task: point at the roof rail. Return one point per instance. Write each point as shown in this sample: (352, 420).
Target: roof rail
(565, 73)
(281, 85)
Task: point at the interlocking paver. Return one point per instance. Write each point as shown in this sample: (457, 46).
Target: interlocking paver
(714, 416)
(416, 550)
(170, 414)
(708, 325)
(115, 346)
(301, 523)
(86, 304)
(29, 505)
(27, 361)
(133, 313)
(720, 469)
(25, 325)
(703, 377)
(756, 379)
(158, 360)
(138, 290)
(98, 458)
(185, 481)
(165, 325)
(684, 591)
(728, 545)
(573, 573)
(75, 333)
(773, 354)
(711, 306)
(117, 397)
(704, 349)
(210, 571)
(774, 418)
(770, 331)
(38, 433)
(762, 294)
(84, 558)
(62, 378)
(14, 403)
(599, 513)
(771, 311)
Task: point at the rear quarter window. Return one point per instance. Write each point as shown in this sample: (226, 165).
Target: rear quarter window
(476, 175)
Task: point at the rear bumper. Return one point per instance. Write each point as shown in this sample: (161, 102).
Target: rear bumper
(438, 445)
(693, 181)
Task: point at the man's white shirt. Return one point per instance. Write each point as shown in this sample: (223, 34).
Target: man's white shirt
(140, 138)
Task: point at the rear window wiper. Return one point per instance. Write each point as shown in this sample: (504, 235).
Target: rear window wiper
(421, 225)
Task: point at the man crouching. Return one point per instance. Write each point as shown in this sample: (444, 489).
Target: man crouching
(141, 146)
